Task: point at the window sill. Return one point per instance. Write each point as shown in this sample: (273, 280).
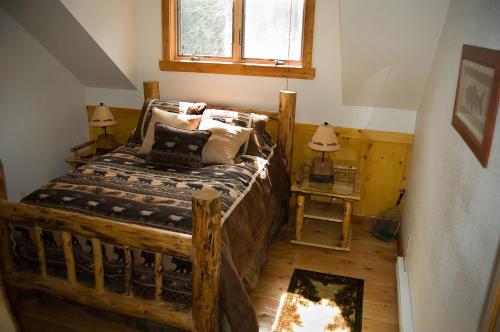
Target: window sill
(238, 69)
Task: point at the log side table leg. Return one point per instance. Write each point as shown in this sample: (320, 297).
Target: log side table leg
(299, 220)
(346, 224)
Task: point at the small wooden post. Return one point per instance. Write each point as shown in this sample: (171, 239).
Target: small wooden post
(151, 90)
(288, 101)
(128, 270)
(98, 265)
(206, 254)
(158, 276)
(40, 247)
(346, 224)
(69, 256)
(299, 220)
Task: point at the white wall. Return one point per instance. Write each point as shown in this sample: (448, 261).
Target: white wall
(112, 25)
(387, 50)
(42, 110)
(452, 212)
(53, 25)
(318, 100)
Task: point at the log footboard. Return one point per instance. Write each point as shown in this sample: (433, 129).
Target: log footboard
(203, 248)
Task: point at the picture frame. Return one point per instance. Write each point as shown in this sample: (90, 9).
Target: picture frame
(477, 99)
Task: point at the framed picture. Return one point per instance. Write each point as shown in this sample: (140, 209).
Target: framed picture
(476, 101)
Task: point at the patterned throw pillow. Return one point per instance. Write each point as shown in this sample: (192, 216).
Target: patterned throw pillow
(179, 107)
(181, 121)
(178, 147)
(246, 120)
(225, 142)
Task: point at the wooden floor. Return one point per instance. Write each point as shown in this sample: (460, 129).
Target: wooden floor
(369, 259)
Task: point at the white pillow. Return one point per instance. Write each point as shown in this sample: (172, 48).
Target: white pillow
(181, 121)
(225, 142)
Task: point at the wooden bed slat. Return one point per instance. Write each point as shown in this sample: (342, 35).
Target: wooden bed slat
(106, 230)
(163, 313)
(98, 265)
(69, 256)
(128, 270)
(40, 248)
(158, 276)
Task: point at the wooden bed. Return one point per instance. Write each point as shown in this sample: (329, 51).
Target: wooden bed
(203, 247)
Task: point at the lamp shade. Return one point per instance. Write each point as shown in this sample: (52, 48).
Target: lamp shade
(102, 117)
(324, 139)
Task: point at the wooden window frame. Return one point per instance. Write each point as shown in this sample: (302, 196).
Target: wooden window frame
(235, 65)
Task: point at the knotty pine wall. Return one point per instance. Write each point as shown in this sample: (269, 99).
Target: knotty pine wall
(382, 157)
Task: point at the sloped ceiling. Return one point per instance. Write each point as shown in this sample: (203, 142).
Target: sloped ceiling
(51, 23)
(111, 23)
(387, 50)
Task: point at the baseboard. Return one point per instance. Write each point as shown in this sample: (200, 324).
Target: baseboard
(404, 301)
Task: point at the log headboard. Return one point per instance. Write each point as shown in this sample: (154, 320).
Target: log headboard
(285, 117)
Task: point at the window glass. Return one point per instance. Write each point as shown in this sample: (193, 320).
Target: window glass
(271, 31)
(205, 27)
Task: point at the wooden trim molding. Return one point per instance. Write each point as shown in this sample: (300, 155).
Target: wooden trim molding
(236, 65)
(230, 68)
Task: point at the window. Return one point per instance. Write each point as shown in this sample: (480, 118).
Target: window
(241, 37)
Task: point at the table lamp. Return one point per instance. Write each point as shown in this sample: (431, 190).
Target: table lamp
(103, 118)
(324, 140)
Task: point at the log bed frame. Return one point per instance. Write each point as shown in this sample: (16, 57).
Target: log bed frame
(203, 247)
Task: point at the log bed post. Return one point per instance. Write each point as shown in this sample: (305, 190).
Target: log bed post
(206, 256)
(288, 101)
(3, 190)
(151, 90)
(6, 256)
(5, 242)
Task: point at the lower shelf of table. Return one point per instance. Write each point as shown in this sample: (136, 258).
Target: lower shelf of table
(323, 234)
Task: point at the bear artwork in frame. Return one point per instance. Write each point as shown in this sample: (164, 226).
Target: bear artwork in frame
(477, 99)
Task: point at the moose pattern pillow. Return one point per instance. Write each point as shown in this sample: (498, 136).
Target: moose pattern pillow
(178, 147)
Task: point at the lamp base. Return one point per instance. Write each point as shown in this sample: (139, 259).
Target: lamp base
(322, 170)
(105, 143)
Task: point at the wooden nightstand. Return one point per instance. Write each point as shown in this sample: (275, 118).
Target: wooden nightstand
(80, 158)
(323, 215)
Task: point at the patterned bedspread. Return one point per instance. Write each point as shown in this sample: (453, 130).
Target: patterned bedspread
(121, 186)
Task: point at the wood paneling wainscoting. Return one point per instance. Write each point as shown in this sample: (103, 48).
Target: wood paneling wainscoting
(382, 158)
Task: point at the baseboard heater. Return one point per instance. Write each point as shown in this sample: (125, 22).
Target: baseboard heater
(404, 302)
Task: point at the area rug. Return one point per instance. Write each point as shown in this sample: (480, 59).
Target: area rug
(320, 302)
